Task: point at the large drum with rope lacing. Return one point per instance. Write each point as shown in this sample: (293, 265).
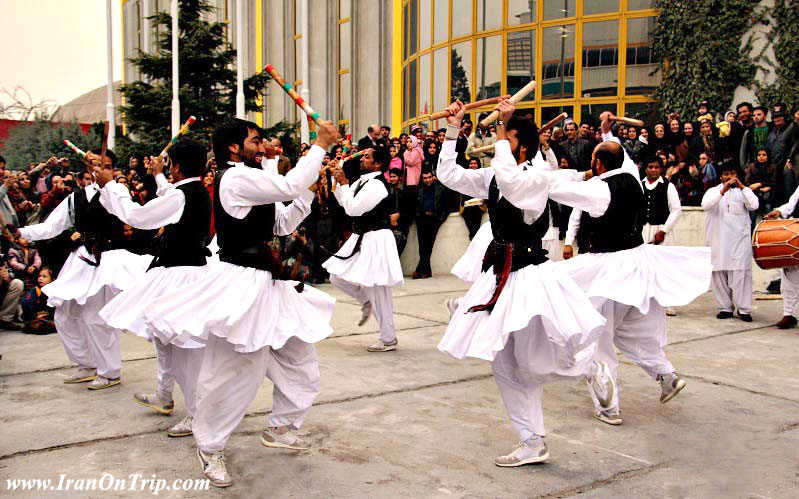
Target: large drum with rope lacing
(775, 243)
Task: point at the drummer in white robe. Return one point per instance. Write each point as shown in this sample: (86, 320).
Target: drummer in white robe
(728, 232)
(367, 266)
(92, 275)
(183, 209)
(629, 282)
(789, 276)
(533, 323)
(256, 323)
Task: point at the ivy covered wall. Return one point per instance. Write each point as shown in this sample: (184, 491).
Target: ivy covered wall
(783, 36)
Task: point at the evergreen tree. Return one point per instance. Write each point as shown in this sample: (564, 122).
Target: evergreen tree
(460, 83)
(207, 81)
(36, 141)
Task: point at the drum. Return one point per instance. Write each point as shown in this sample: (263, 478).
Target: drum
(775, 243)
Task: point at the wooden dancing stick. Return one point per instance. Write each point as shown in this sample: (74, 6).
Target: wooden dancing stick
(629, 121)
(485, 102)
(521, 94)
(549, 124)
(75, 148)
(292, 93)
(182, 131)
(478, 150)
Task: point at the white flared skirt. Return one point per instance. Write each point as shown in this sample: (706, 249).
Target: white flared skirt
(126, 310)
(118, 269)
(672, 275)
(376, 264)
(244, 306)
(568, 321)
(469, 267)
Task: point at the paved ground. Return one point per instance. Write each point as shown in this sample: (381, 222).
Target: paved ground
(415, 423)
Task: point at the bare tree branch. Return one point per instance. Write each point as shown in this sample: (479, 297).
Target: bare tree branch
(17, 104)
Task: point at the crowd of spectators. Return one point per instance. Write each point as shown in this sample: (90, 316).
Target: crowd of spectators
(766, 152)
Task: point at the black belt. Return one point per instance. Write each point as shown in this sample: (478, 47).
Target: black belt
(507, 258)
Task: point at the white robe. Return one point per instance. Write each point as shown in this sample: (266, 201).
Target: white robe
(728, 227)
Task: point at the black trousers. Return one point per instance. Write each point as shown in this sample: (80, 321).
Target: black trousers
(426, 229)
(472, 216)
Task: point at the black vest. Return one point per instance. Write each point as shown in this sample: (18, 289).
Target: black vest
(99, 230)
(378, 217)
(656, 206)
(619, 228)
(795, 212)
(245, 241)
(184, 242)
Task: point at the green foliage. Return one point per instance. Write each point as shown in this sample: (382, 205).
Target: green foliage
(703, 52)
(207, 81)
(784, 33)
(460, 84)
(36, 141)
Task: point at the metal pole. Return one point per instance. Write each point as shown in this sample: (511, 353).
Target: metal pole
(175, 80)
(109, 107)
(239, 60)
(305, 91)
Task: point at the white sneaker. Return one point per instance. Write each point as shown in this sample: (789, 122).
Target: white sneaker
(670, 385)
(670, 312)
(601, 384)
(182, 429)
(283, 437)
(366, 311)
(383, 347)
(83, 375)
(155, 402)
(214, 468)
(610, 417)
(452, 306)
(531, 451)
(101, 383)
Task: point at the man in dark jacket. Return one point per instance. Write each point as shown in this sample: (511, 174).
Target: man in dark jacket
(578, 149)
(430, 214)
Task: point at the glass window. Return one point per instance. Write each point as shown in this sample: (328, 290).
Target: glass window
(440, 20)
(489, 15)
(558, 9)
(520, 62)
(549, 113)
(600, 58)
(590, 112)
(489, 67)
(424, 24)
(645, 111)
(405, 96)
(424, 84)
(440, 79)
(413, 87)
(600, 6)
(344, 105)
(461, 83)
(461, 17)
(640, 4)
(558, 63)
(640, 79)
(405, 33)
(413, 32)
(521, 12)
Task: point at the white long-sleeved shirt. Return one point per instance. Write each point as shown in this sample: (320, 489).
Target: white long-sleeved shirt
(164, 210)
(673, 199)
(59, 220)
(787, 209)
(242, 187)
(728, 227)
(367, 198)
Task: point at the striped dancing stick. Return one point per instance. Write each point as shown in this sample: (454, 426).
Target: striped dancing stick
(75, 148)
(292, 93)
(182, 131)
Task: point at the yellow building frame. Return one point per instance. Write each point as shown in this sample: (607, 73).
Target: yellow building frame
(576, 21)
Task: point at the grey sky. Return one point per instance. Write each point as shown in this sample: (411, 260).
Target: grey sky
(56, 49)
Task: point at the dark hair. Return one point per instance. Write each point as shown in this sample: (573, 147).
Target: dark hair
(109, 154)
(610, 154)
(369, 129)
(189, 155)
(232, 131)
(526, 133)
(380, 155)
(743, 104)
(728, 166)
(768, 154)
(427, 171)
(569, 161)
(572, 123)
(655, 159)
(385, 127)
(2, 159)
(395, 171)
(761, 108)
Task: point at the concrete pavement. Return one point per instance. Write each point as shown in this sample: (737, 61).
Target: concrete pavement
(416, 423)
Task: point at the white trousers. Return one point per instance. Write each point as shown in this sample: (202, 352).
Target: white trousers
(181, 365)
(380, 299)
(554, 249)
(732, 288)
(649, 231)
(789, 289)
(521, 368)
(88, 340)
(641, 338)
(229, 381)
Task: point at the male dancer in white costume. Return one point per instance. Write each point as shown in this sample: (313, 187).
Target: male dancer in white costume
(789, 276)
(92, 275)
(534, 324)
(367, 266)
(255, 323)
(183, 209)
